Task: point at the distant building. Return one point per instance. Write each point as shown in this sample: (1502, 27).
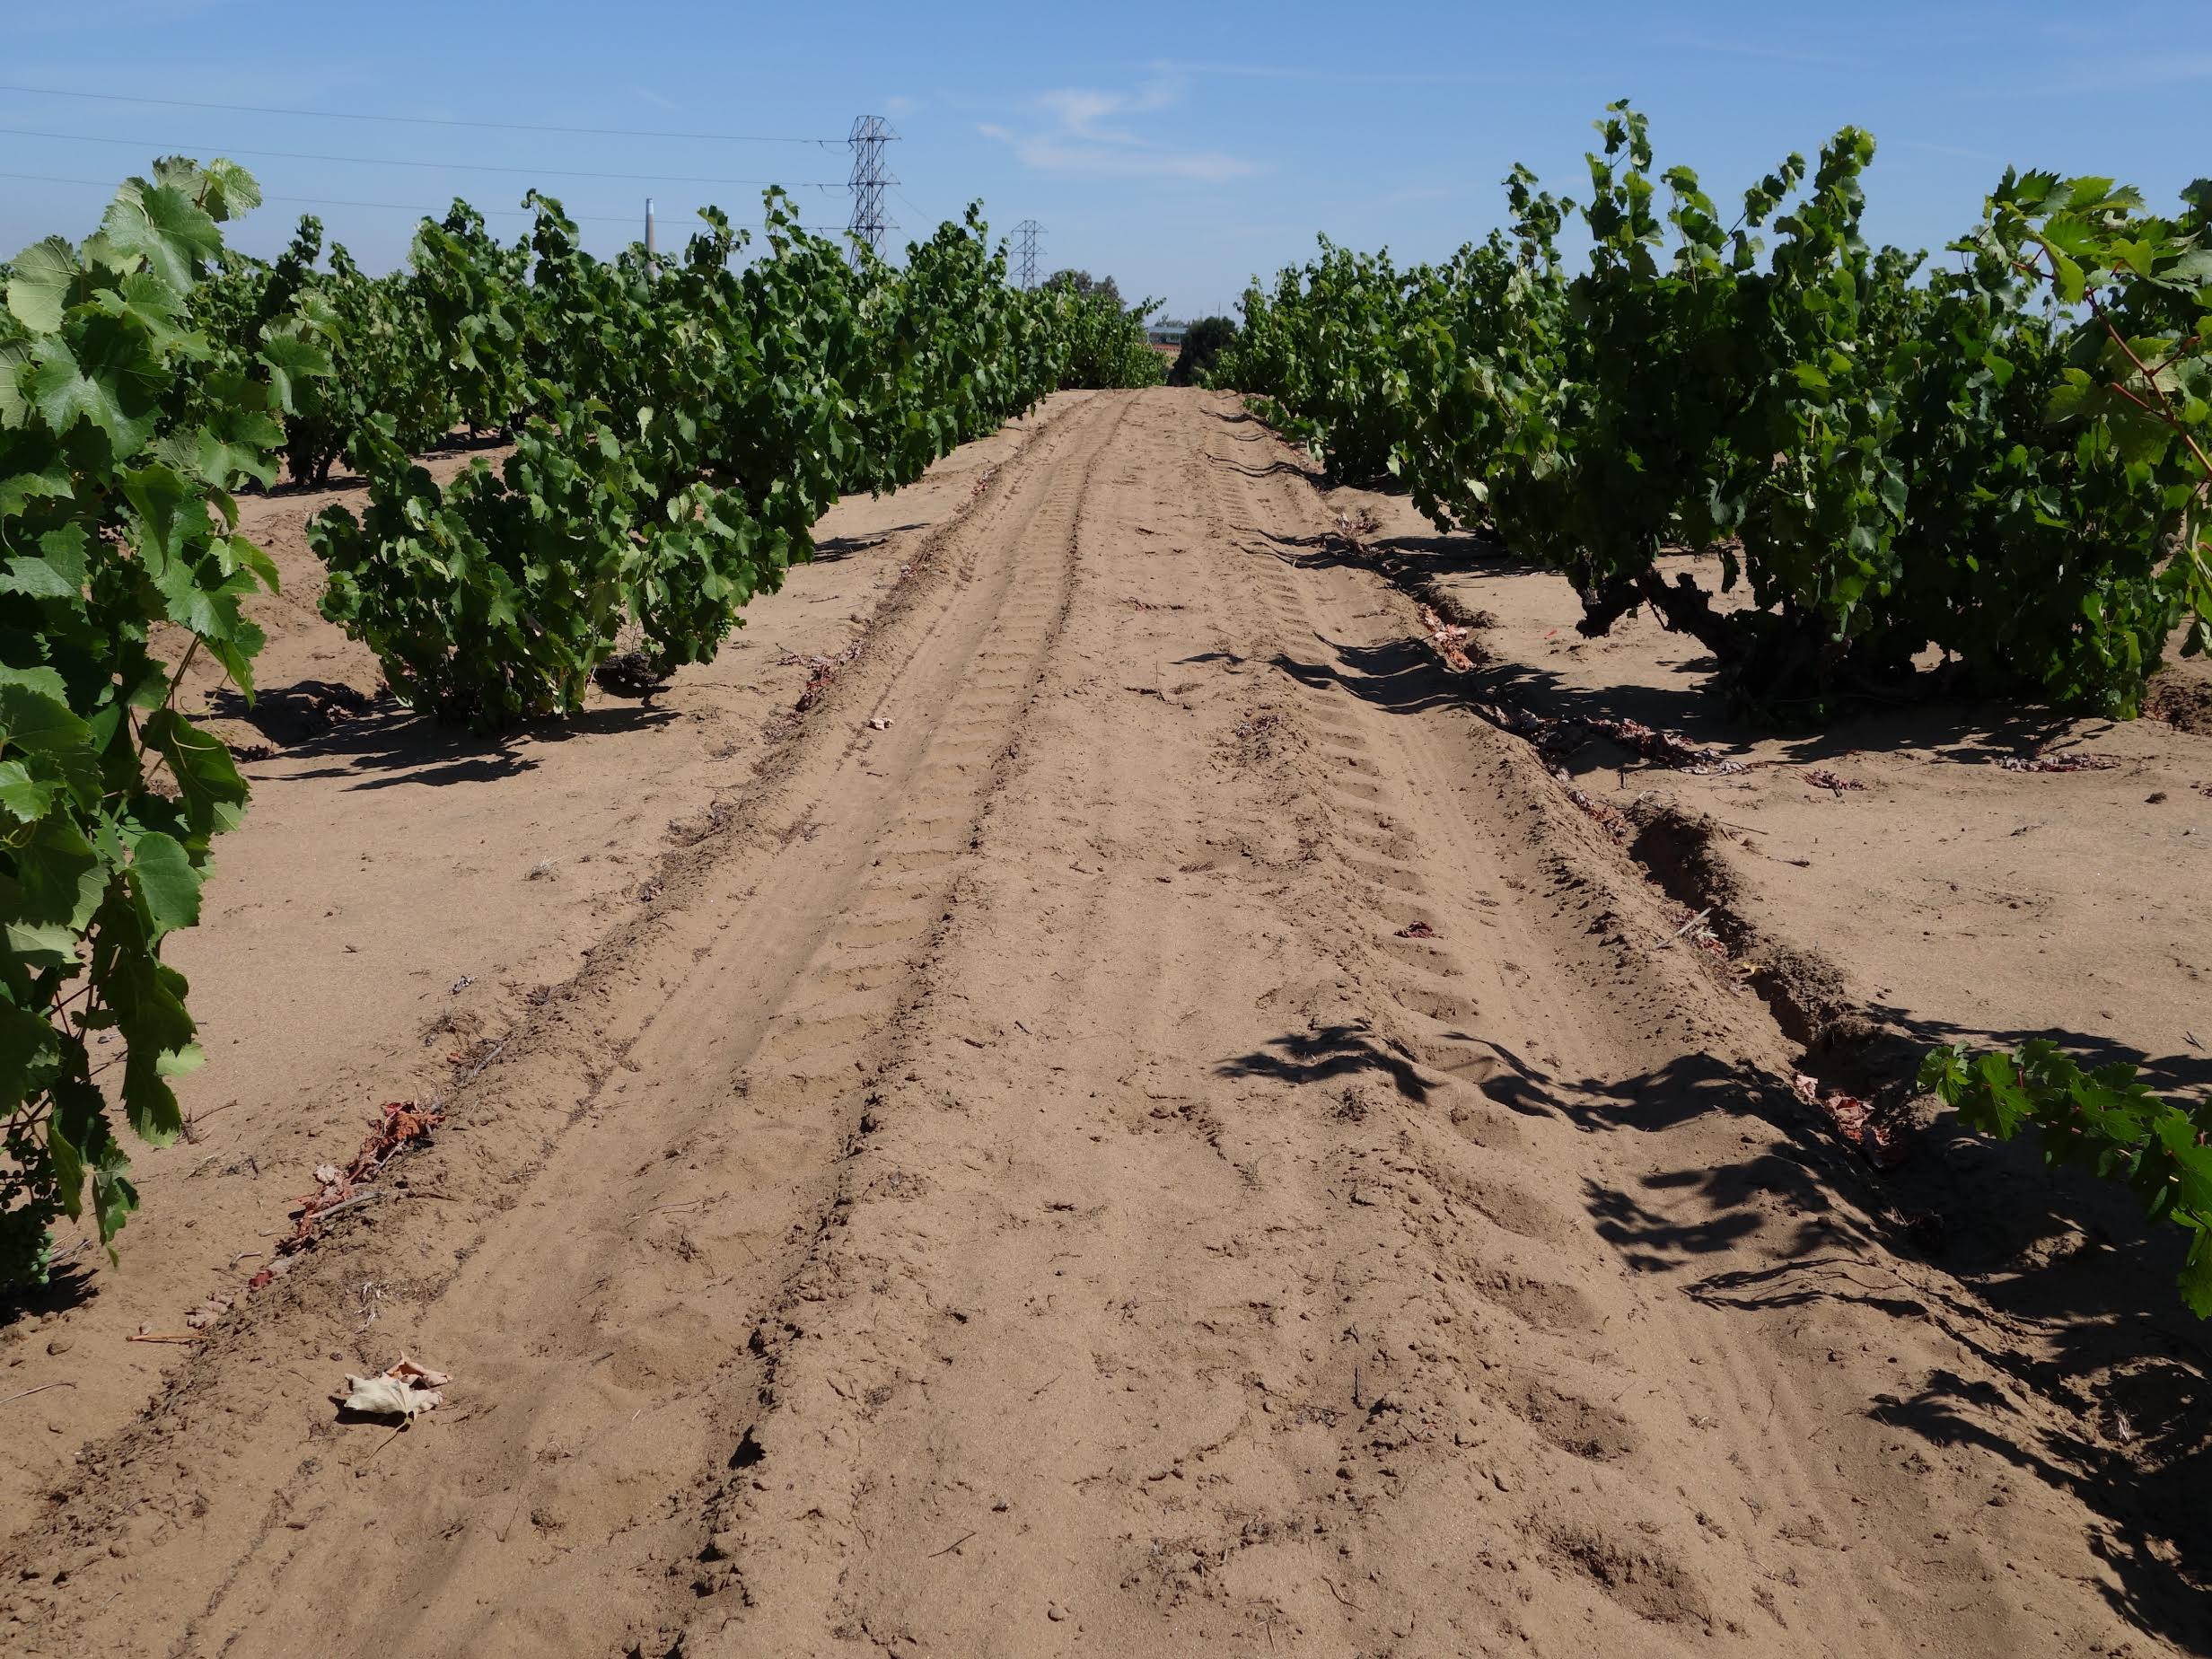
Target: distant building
(1166, 333)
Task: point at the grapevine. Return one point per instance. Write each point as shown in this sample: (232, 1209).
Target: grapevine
(1893, 459)
(2138, 381)
(123, 433)
(679, 426)
(2009, 460)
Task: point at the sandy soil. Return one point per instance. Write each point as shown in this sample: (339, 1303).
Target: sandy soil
(1962, 898)
(1140, 1121)
(399, 898)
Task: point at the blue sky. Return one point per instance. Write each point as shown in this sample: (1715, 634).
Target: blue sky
(1180, 149)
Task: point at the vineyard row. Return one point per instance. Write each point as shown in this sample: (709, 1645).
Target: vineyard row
(677, 423)
(1999, 463)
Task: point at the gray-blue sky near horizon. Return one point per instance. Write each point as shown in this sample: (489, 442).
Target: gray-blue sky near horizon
(1180, 149)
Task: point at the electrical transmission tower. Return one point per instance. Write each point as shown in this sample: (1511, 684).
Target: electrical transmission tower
(1025, 252)
(869, 181)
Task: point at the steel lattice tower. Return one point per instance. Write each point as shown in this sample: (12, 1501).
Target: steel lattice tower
(1025, 252)
(869, 181)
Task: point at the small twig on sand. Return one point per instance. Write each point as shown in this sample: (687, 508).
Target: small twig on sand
(1693, 921)
(687, 1203)
(147, 1336)
(366, 1196)
(386, 1441)
(28, 1393)
(477, 1070)
(1338, 1593)
(955, 1544)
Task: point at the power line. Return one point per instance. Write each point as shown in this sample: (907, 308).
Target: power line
(336, 201)
(424, 212)
(384, 161)
(921, 214)
(421, 121)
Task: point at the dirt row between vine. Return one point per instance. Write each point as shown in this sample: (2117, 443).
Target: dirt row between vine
(1142, 1124)
(400, 899)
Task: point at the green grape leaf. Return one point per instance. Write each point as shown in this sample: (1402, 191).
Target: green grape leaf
(161, 225)
(144, 300)
(43, 944)
(30, 1048)
(214, 794)
(15, 406)
(291, 360)
(38, 285)
(114, 1197)
(38, 579)
(228, 190)
(25, 797)
(113, 397)
(34, 712)
(2195, 1278)
(166, 880)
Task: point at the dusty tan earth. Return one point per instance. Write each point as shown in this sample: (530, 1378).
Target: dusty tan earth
(1139, 1121)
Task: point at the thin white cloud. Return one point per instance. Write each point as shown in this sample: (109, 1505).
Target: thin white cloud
(1763, 52)
(1349, 74)
(899, 106)
(1044, 153)
(1336, 74)
(1096, 132)
(1079, 112)
(1949, 149)
(1411, 193)
(654, 99)
(2130, 74)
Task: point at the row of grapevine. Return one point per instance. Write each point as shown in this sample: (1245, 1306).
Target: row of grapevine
(678, 425)
(1891, 457)
(2008, 459)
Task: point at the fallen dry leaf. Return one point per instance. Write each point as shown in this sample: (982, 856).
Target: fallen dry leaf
(1608, 819)
(406, 1368)
(1855, 1121)
(402, 1391)
(397, 1127)
(1449, 640)
(384, 1397)
(1557, 737)
(2073, 762)
(276, 1271)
